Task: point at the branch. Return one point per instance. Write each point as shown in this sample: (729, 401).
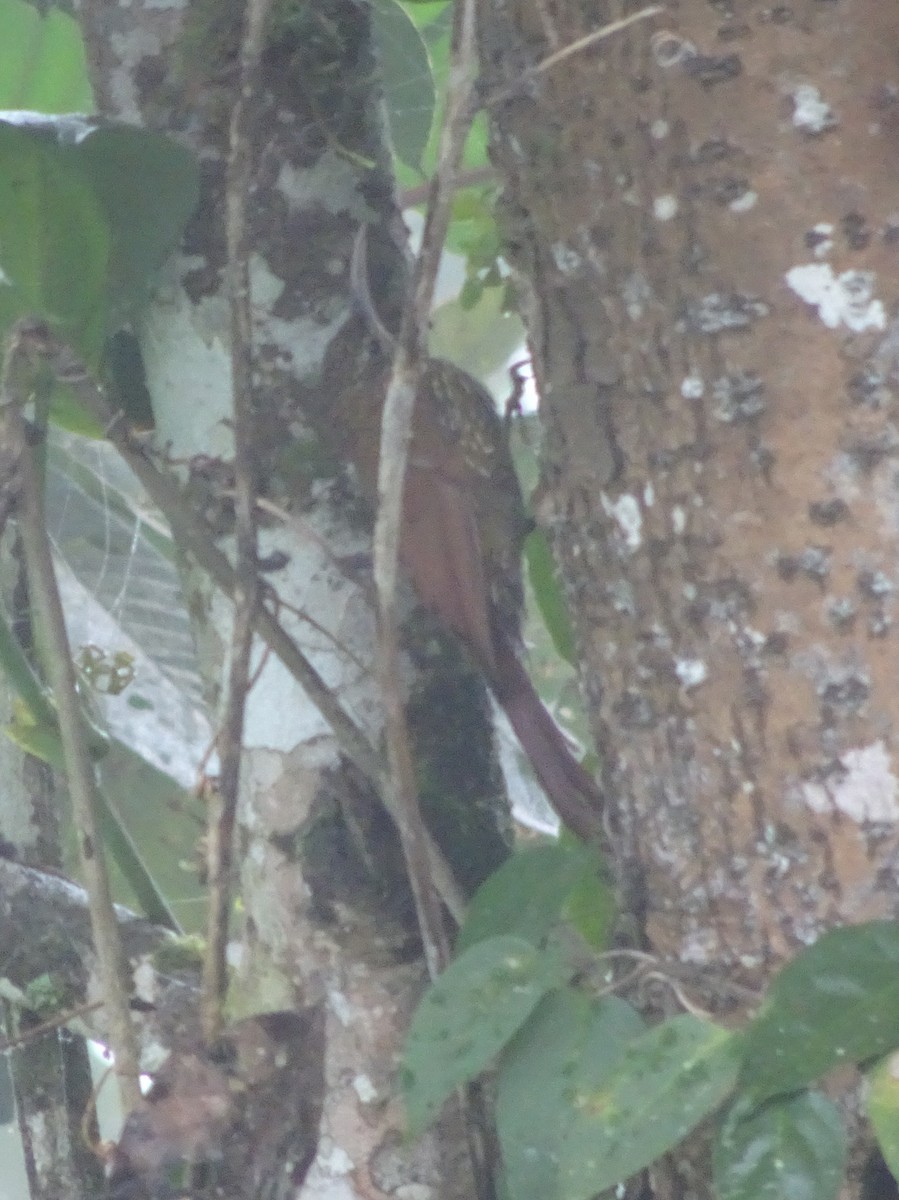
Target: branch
(223, 809)
(63, 680)
(409, 364)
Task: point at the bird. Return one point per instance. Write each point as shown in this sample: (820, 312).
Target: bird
(463, 526)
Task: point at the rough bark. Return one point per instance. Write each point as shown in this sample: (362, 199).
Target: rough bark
(712, 268)
(702, 213)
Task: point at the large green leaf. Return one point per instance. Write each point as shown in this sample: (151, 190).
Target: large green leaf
(525, 897)
(883, 1108)
(54, 238)
(42, 60)
(437, 38)
(408, 82)
(570, 1043)
(468, 1015)
(148, 186)
(87, 214)
(837, 1002)
(792, 1148)
(664, 1084)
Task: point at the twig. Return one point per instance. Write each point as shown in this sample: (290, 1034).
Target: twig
(576, 47)
(590, 39)
(223, 806)
(52, 1023)
(60, 670)
(408, 365)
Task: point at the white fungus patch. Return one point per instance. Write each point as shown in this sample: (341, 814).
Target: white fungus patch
(365, 1089)
(626, 513)
(869, 790)
(659, 129)
(145, 981)
(664, 207)
(678, 520)
(567, 260)
(692, 387)
(744, 202)
(846, 299)
(691, 672)
(811, 114)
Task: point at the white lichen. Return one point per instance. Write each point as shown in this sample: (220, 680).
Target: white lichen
(692, 387)
(744, 202)
(846, 299)
(626, 513)
(868, 791)
(365, 1089)
(811, 114)
(691, 672)
(567, 260)
(664, 207)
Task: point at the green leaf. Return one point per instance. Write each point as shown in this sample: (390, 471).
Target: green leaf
(425, 12)
(87, 214)
(883, 1108)
(665, 1083)
(468, 1015)
(408, 82)
(548, 594)
(592, 907)
(148, 187)
(42, 60)
(54, 239)
(792, 1148)
(569, 1043)
(837, 1002)
(474, 154)
(525, 897)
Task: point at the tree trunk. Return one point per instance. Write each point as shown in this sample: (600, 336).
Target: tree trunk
(702, 212)
(318, 923)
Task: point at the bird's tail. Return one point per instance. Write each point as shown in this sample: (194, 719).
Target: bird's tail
(572, 792)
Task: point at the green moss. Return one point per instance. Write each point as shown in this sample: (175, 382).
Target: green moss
(183, 953)
(47, 994)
